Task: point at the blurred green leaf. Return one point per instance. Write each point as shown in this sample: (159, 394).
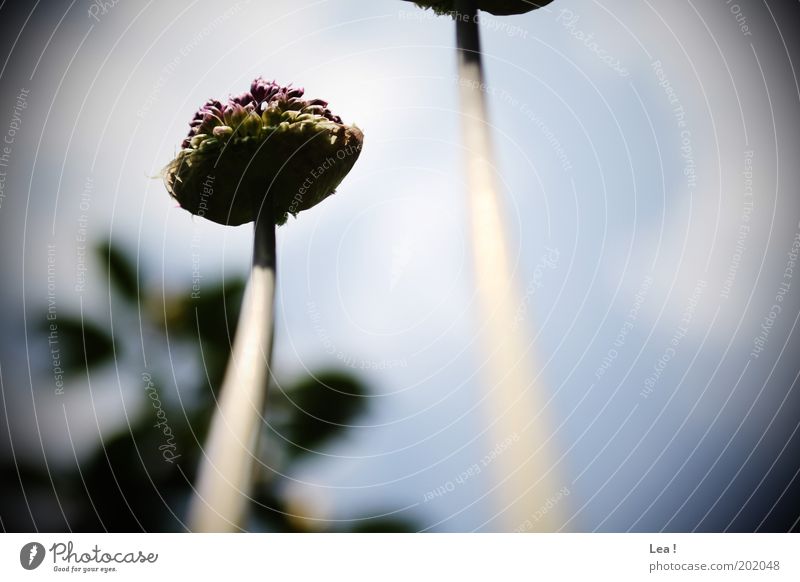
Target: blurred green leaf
(122, 273)
(317, 409)
(268, 509)
(129, 487)
(80, 343)
(128, 484)
(215, 311)
(26, 478)
(205, 319)
(140, 478)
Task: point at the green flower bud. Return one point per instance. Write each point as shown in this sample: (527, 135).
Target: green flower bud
(496, 7)
(265, 151)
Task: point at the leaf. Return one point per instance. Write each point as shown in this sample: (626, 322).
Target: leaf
(215, 313)
(141, 477)
(269, 509)
(122, 273)
(77, 344)
(28, 499)
(129, 487)
(317, 409)
(207, 320)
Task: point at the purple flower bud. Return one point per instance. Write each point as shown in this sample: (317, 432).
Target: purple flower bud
(496, 7)
(264, 151)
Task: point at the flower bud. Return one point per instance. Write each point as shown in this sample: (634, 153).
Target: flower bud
(265, 151)
(496, 7)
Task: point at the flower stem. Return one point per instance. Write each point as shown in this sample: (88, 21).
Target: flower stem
(525, 470)
(226, 470)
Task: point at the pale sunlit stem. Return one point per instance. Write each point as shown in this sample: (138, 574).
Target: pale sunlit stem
(515, 397)
(226, 470)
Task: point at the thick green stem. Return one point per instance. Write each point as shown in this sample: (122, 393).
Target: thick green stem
(525, 471)
(226, 470)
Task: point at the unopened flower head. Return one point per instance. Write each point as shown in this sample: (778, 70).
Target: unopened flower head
(268, 150)
(497, 7)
